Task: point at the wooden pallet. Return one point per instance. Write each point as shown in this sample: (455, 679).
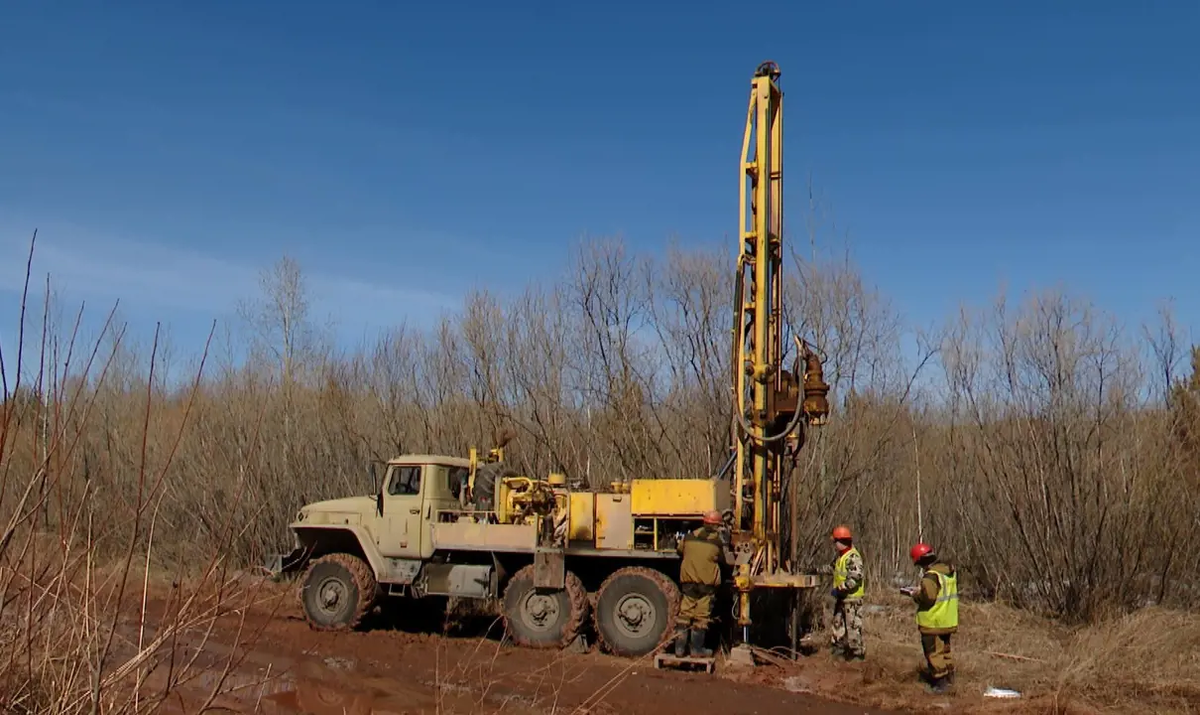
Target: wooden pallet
(668, 660)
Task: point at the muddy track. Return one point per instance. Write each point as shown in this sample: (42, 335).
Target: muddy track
(288, 667)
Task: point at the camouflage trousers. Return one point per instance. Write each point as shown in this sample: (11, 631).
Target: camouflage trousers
(938, 661)
(846, 628)
(694, 611)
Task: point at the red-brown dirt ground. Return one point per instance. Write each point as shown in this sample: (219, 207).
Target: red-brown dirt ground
(268, 660)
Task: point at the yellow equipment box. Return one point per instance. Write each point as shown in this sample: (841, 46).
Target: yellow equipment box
(678, 497)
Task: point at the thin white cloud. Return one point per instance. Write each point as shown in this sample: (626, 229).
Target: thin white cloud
(150, 277)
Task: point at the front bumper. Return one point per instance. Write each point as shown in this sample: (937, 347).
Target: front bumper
(281, 564)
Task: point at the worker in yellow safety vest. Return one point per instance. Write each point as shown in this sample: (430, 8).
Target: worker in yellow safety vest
(849, 585)
(937, 614)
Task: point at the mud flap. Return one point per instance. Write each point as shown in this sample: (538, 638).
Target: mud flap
(279, 564)
(549, 569)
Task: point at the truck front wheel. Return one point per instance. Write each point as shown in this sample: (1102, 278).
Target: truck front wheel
(337, 592)
(537, 618)
(635, 611)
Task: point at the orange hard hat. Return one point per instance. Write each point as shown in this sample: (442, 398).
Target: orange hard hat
(841, 533)
(920, 551)
(712, 517)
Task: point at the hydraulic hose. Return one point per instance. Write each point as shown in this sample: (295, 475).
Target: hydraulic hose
(739, 415)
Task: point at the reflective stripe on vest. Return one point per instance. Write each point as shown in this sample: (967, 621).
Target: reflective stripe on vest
(839, 574)
(944, 613)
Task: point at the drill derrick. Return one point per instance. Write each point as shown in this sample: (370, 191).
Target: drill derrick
(768, 407)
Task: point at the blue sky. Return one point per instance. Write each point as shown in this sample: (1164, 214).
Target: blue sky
(167, 151)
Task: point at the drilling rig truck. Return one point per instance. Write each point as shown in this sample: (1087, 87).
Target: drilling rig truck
(561, 559)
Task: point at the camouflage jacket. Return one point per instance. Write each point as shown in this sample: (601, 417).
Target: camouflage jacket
(854, 573)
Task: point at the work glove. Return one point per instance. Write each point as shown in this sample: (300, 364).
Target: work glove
(835, 593)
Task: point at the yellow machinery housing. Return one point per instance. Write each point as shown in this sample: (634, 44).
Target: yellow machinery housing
(641, 515)
(638, 515)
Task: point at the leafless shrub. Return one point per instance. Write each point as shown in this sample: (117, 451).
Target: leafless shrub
(82, 492)
(1054, 478)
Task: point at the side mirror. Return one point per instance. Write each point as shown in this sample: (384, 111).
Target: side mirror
(375, 488)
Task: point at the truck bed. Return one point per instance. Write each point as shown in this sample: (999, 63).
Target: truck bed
(519, 538)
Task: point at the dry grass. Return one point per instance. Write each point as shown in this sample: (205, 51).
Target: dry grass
(1147, 661)
(77, 636)
(1148, 658)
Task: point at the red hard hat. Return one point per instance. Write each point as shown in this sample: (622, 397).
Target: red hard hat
(841, 533)
(712, 517)
(920, 551)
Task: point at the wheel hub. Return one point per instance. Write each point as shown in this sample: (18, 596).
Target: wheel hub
(332, 594)
(539, 611)
(636, 616)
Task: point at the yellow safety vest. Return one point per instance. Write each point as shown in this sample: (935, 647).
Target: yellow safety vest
(839, 574)
(944, 613)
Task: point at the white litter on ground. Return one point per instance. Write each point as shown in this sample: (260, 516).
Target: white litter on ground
(1000, 693)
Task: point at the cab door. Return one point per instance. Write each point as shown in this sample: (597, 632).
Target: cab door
(402, 530)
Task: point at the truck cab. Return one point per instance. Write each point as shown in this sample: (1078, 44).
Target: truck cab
(391, 529)
(414, 490)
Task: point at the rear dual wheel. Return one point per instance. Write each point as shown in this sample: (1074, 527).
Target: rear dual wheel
(543, 618)
(635, 611)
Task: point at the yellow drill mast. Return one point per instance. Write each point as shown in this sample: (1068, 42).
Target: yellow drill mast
(767, 409)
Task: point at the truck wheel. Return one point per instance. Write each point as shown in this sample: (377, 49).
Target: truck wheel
(537, 618)
(337, 592)
(635, 611)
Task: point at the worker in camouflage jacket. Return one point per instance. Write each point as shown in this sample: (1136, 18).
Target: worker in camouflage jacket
(849, 583)
(704, 552)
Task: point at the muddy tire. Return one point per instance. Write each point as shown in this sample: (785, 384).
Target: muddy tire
(535, 618)
(338, 590)
(635, 611)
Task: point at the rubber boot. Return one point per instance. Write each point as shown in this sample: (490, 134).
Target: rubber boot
(681, 641)
(698, 649)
